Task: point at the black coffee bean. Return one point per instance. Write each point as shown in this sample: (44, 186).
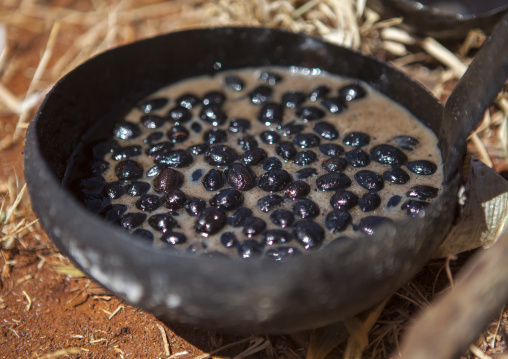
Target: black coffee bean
(333, 181)
(99, 167)
(187, 101)
(306, 140)
(155, 170)
(282, 254)
(153, 104)
(210, 221)
(177, 133)
(305, 173)
(326, 130)
(282, 217)
(269, 137)
(388, 155)
(333, 104)
(396, 175)
(253, 157)
(369, 201)
(196, 127)
(310, 113)
(305, 208)
(369, 180)
(179, 114)
(114, 212)
(261, 95)
(276, 236)
(196, 175)
(267, 203)
(240, 217)
(308, 233)
(173, 238)
(132, 220)
(370, 225)
(214, 98)
(148, 203)
(293, 99)
(304, 158)
(352, 92)
(213, 115)
(337, 221)
(356, 139)
(239, 125)
(213, 180)
(128, 170)
(167, 179)
(227, 199)
(136, 189)
(272, 164)
(114, 190)
(214, 136)
(334, 164)
(422, 167)
(274, 181)
(292, 128)
(126, 130)
(143, 234)
(101, 149)
(286, 150)
(154, 137)
(152, 121)
(331, 149)
(92, 184)
(407, 143)
(270, 78)
(94, 202)
(228, 239)
(198, 149)
(127, 152)
(254, 227)
(174, 158)
(240, 177)
(248, 143)
(250, 249)
(319, 93)
(234, 83)
(423, 192)
(357, 158)
(271, 114)
(393, 201)
(194, 206)
(174, 199)
(159, 148)
(413, 208)
(220, 155)
(343, 200)
(297, 189)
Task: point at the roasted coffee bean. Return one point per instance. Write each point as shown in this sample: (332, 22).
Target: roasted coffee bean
(198, 149)
(396, 175)
(196, 127)
(167, 179)
(99, 167)
(253, 157)
(136, 189)
(352, 92)
(370, 225)
(213, 180)
(228, 239)
(393, 201)
(356, 139)
(282, 254)
(239, 125)
(331, 149)
(114, 212)
(92, 184)
(179, 114)
(274, 181)
(357, 158)
(227, 199)
(423, 192)
(282, 217)
(369, 201)
(276, 236)
(333, 181)
(174, 199)
(128, 170)
(155, 170)
(114, 190)
(270, 78)
(334, 164)
(254, 227)
(174, 158)
(173, 238)
(422, 167)
(187, 101)
(213, 115)
(196, 175)
(214, 98)
(271, 114)
(305, 208)
(297, 189)
(304, 158)
(305, 173)
(101, 149)
(269, 137)
(337, 221)
(369, 180)
(194, 206)
(148, 203)
(293, 99)
(286, 150)
(94, 202)
(261, 95)
(343, 200)
(407, 143)
(143, 234)
(308, 233)
(220, 155)
(333, 104)
(177, 133)
(126, 130)
(215, 135)
(127, 152)
(159, 148)
(240, 177)
(154, 137)
(197, 248)
(248, 143)
(413, 208)
(210, 221)
(153, 104)
(250, 249)
(388, 155)
(310, 113)
(292, 128)
(272, 164)
(152, 121)
(240, 217)
(234, 83)
(326, 130)
(319, 93)
(132, 220)
(267, 203)
(306, 140)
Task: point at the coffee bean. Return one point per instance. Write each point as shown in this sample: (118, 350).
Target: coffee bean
(274, 181)
(213, 180)
(319, 92)
(297, 189)
(179, 114)
(228, 239)
(92, 184)
(260, 95)
(282, 217)
(422, 167)
(194, 206)
(423, 192)
(269, 137)
(356, 139)
(413, 208)
(215, 135)
(293, 99)
(357, 158)
(187, 101)
(267, 203)
(153, 104)
(333, 104)
(388, 155)
(152, 121)
(128, 170)
(240, 177)
(148, 203)
(227, 199)
(220, 155)
(159, 148)
(334, 164)
(286, 150)
(271, 114)
(337, 221)
(167, 179)
(352, 92)
(276, 236)
(196, 175)
(326, 130)
(306, 140)
(305, 173)
(308, 233)
(250, 249)
(240, 217)
(343, 200)
(198, 149)
(248, 143)
(310, 113)
(393, 201)
(132, 220)
(253, 157)
(254, 227)
(155, 170)
(292, 128)
(333, 181)
(331, 149)
(136, 189)
(174, 158)
(114, 190)
(407, 143)
(126, 130)
(272, 164)
(174, 199)
(127, 152)
(153, 137)
(114, 212)
(101, 149)
(99, 167)
(270, 77)
(143, 234)
(210, 221)
(239, 125)
(369, 180)
(234, 83)
(396, 175)
(282, 254)
(304, 158)
(369, 201)
(214, 98)
(173, 238)
(370, 225)
(213, 115)
(305, 208)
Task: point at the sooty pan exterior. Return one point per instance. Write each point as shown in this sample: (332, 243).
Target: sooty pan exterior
(310, 291)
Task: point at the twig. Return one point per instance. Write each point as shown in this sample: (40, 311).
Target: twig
(167, 350)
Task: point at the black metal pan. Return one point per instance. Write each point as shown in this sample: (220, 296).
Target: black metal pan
(252, 296)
